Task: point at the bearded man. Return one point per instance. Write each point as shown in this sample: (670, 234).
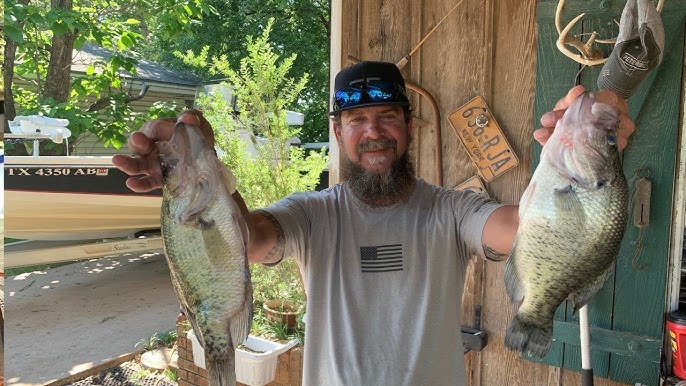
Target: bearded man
(383, 254)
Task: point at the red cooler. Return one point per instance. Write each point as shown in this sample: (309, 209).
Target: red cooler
(676, 323)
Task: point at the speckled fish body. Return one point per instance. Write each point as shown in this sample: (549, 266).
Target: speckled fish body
(572, 218)
(205, 239)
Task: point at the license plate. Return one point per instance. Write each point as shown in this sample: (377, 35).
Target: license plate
(483, 139)
(474, 184)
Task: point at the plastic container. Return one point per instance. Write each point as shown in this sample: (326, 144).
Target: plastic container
(252, 368)
(676, 324)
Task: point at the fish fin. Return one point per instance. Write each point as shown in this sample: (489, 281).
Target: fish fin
(527, 337)
(585, 294)
(513, 284)
(239, 325)
(567, 202)
(222, 371)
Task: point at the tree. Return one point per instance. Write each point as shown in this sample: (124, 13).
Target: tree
(300, 26)
(263, 89)
(40, 38)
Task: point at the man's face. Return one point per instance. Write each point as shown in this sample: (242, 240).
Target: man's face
(373, 137)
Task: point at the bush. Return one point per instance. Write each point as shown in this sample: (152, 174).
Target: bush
(254, 144)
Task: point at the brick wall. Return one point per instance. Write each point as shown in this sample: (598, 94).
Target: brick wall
(288, 368)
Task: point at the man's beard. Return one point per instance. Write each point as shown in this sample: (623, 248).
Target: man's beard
(384, 188)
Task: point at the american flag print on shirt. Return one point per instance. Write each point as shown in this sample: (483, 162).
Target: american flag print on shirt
(382, 258)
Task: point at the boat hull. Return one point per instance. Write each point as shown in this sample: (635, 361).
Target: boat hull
(74, 198)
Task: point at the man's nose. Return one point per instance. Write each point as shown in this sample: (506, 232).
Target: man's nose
(373, 129)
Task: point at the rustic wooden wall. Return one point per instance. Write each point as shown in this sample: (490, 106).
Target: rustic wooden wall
(487, 48)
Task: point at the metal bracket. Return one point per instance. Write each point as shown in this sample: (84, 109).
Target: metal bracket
(473, 339)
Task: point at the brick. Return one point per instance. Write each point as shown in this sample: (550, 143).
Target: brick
(184, 363)
(203, 382)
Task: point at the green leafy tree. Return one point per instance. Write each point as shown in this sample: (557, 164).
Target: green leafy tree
(254, 142)
(300, 26)
(40, 38)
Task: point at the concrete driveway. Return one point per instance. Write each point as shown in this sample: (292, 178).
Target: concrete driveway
(68, 319)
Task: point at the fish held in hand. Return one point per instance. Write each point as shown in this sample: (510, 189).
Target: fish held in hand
(572, 218)
(205, 238)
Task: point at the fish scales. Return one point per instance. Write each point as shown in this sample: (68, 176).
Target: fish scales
(204, 237)
(572, 221)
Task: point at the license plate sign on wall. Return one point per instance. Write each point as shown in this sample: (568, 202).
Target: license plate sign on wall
(483, 139)
(474, 184)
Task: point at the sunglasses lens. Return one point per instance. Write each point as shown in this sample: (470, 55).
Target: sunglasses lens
(348, 96)
(379, 90)
(374, 91)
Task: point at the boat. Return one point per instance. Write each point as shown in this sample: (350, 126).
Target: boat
(68, 208)
(74, 198)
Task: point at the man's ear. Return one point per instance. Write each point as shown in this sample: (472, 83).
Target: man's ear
(337, 131)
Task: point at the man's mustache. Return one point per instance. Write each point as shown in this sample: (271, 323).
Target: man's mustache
(376, 144)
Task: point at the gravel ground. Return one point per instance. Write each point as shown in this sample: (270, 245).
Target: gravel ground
(126, 374)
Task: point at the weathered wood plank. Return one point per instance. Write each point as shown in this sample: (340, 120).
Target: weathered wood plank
(511, 89)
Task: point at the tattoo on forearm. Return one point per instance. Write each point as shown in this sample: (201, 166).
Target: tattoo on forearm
(276, 253)
(492, 254)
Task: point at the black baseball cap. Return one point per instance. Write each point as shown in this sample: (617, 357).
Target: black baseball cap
(385, 74)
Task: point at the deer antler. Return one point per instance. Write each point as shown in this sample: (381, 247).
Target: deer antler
(587, 55)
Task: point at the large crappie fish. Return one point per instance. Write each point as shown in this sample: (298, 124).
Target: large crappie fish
(205, 238)
(572, 218)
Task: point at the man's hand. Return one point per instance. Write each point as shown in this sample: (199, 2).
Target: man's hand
(549, 119)
(145, 160)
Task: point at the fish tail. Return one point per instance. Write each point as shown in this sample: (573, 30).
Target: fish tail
(221, 371)
(524, 336)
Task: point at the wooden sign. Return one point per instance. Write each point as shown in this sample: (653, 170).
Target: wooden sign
(484, 140)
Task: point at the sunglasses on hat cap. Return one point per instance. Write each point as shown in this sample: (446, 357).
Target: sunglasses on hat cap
(369, 92)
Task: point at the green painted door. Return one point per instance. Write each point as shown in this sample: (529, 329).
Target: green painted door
(627, 316)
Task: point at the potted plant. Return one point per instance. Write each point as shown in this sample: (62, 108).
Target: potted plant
(281, 311)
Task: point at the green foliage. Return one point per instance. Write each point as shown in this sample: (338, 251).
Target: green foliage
(169, 373)
(98, 99)
(300, 26)
(254, 143)
(277, 331)
(157, 340)
(140, 374)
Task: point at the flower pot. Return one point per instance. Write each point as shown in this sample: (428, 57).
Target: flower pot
(255, 364)
(281, 311)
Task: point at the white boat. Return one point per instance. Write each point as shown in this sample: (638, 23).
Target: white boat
(74, 198)
(74, 207)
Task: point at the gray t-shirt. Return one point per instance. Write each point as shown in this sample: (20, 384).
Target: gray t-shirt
(384, 285)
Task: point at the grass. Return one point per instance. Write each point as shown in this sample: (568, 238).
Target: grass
(280, 282)
(169, 373)
(158, 340)
(276, 331)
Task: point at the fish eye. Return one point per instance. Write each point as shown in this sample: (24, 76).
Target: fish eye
(611, 139)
